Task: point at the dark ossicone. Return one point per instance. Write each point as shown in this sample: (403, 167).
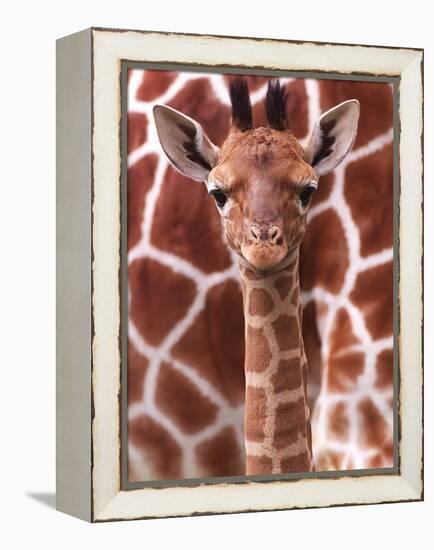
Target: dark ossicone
(241, 107)
(275, 106)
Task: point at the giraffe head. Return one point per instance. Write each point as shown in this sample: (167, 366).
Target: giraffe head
(261, 179)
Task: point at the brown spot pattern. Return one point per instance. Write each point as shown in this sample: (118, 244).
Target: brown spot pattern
(312, 345)
(215, 345)
(286, 332)
(187, 224)
(338, 421)
(154, 84)
(373, 295)
(324, 253)
(225, 306)
(137, 130)
(211, 344)
(287, 376)
(344, 370)
(257, 465)
(180, 399)
(344, 365)
(220, 455)
(375, 224)
(258, 354)
(384, 369)
(140, 177)
(330, 460)
(374, 431)
(137, 367)
(297, 108)
(260, 302)
(295, 300)
(342, 335)
(256, 409)
(157, 446)
(297, 463)
(282, 285)
(325, 187)
(289, 417)
(153, 309)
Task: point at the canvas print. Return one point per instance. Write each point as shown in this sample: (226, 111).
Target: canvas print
(260, 275)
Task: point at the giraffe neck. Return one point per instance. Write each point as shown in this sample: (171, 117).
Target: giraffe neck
(276, 419)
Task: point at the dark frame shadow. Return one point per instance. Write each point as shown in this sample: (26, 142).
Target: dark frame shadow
(47, 499)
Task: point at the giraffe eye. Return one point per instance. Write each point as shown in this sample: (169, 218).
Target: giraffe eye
(219, 197)
(306, 194)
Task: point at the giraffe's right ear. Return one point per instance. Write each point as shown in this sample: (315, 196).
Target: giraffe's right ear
(185, 143)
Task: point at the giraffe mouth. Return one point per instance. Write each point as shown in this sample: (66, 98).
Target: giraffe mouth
(264, 257)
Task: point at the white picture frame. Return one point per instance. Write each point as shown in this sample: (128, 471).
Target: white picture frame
(89, 234)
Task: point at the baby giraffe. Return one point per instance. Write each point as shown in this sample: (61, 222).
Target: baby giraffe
(262, 181)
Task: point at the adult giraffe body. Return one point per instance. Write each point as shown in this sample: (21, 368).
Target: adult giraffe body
(262, 181)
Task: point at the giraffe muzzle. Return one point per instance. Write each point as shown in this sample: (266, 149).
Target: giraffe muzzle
(265, 247)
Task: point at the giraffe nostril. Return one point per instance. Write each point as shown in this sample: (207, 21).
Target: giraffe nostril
(272, 235)
(255, 232)
(275, 235)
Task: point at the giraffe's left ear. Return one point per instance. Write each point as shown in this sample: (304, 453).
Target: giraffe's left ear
(333, 136)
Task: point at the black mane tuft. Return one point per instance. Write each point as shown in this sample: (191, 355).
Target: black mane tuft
(242, 116)
(275, 106)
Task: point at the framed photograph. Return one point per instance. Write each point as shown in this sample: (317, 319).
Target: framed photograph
(239, 274)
